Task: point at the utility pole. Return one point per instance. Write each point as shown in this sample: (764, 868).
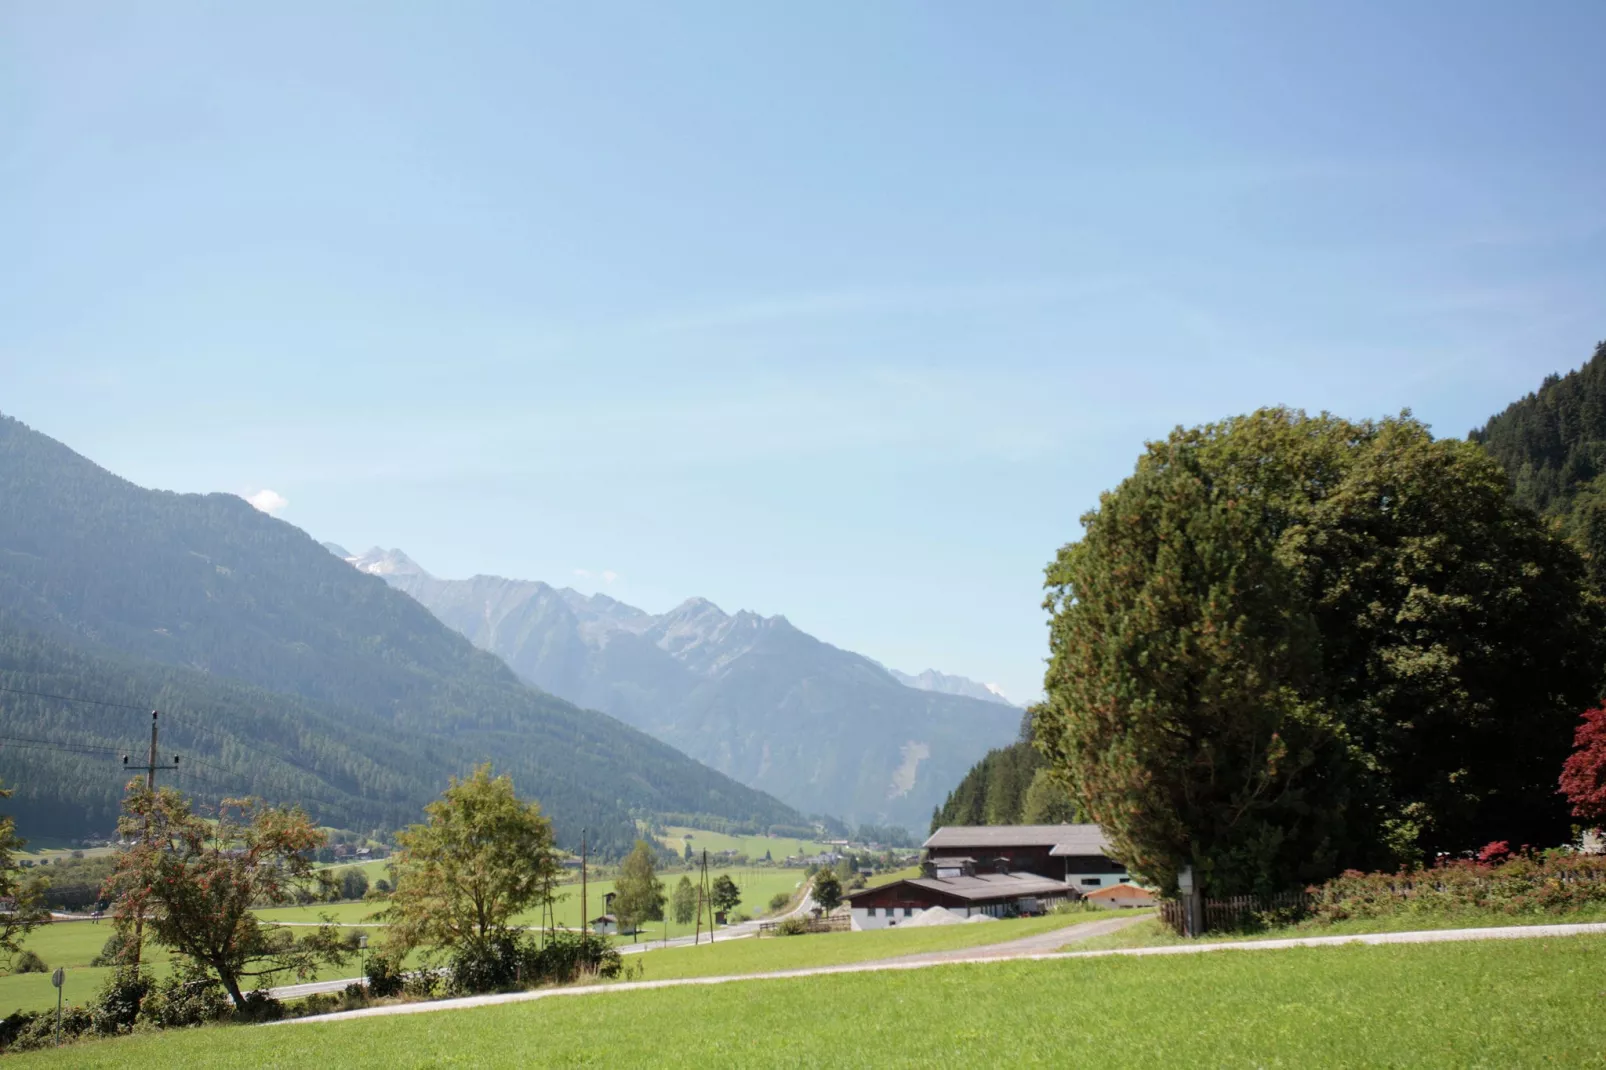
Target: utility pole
(708, 894)
(150, 769)
(585, 922)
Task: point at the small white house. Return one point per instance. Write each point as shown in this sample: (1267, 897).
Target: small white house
(605, 925)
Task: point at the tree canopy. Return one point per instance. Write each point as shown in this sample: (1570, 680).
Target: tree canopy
(1583, 777)
(481, 857)
(685, 901)
(640, 893)
(1287, 644)
(827, 890)
(196, 883)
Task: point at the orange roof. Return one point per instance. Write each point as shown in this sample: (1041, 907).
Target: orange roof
(1114, 890)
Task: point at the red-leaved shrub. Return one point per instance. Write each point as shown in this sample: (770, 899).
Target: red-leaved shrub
(1583, 774)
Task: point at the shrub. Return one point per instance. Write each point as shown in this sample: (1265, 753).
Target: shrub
(13, 1025)
(260, 1007)
(385, 977)
(29, 962)
(793, 926)
(504, 960)
(779, 900)
(183, 1000)
(1552, 883)
(116, 1006)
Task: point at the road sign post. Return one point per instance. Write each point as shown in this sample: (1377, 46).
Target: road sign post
(56, 979)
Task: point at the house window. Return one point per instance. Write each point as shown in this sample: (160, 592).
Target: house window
(1091, 882)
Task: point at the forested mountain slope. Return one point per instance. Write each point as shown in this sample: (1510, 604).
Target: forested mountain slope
(1553, 445)
(295, 675)
(825, 729)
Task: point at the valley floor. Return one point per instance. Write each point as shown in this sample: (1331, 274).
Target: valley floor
(1497, 1003)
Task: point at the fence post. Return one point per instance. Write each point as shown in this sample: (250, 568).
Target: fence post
(1192, 903)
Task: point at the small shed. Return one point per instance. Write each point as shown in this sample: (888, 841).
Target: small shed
(605, 925)
(1121, 895)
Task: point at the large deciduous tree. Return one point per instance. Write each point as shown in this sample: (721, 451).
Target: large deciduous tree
(1287, 644)
(827, 890)
(197, 883)
(725, 894)
(640, 893)
(685, 901)
(481, 857)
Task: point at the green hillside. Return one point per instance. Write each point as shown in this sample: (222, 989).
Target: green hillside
(1553, 445)
(285, 671)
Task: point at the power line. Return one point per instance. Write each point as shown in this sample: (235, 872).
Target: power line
(62, 743)
(69, 698)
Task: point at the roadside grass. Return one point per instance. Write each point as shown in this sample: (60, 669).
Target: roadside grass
(1151, 933)
(1495, 1004)
(834, 949)
(751, 846)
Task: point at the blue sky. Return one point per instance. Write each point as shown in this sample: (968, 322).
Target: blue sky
(842, 311)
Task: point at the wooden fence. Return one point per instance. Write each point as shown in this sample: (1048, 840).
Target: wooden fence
(835, 923)
(1236, 912)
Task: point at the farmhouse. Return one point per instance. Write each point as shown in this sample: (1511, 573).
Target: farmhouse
(1075, 854)
(965, 892)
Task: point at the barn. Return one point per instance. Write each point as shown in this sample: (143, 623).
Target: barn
(965, 892)
(1075, 854)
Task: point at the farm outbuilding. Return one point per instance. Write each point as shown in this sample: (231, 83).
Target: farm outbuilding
(1075, 854)
(965, 894)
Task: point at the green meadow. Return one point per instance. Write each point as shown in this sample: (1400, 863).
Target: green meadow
(74, 944)
(1492, 1004)
(751, 846)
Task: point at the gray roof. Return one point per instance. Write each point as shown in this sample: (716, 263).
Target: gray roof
(1065, 839)
(982, 887)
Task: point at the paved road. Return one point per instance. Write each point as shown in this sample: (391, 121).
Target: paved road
(746, 929)
(997, 953)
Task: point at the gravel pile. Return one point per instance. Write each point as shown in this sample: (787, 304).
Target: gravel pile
(932, 916)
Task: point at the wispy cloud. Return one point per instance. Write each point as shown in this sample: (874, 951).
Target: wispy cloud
(608, 575)
(583, 573)
(269, 501)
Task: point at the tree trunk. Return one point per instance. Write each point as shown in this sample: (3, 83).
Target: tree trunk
(232, 984)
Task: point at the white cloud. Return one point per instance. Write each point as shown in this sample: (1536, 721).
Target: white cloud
(583, 573)
(269, 501)
(608, 575)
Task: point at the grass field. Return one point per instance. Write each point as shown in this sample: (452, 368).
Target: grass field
(1495, 1004)
(1153, 934)
(751, 846)
(374, 870)
(833, 949)
(758, 886)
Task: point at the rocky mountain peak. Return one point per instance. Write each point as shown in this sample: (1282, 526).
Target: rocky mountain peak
(381, 562)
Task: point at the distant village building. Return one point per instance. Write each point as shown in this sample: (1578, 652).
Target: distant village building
(996, 870)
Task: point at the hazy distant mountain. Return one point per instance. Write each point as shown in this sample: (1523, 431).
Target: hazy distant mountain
(278, 669)
(932, 680)
(821, 728)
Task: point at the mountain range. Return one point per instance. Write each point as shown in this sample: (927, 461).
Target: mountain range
(821, 728)
(278, 670)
